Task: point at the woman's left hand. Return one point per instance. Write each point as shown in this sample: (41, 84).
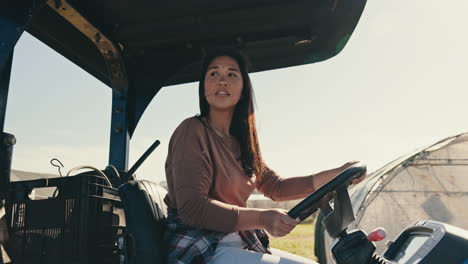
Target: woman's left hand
(349, 164)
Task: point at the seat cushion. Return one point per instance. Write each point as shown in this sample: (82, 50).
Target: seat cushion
(145, 215)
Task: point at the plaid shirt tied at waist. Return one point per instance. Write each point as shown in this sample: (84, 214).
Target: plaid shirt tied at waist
(187, 245)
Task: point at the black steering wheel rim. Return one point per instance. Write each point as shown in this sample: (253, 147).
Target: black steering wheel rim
(311, 203)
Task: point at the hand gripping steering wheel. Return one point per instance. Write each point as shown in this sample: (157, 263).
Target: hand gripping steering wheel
(338, 217)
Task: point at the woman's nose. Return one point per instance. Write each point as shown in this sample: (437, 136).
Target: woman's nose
(222, 82)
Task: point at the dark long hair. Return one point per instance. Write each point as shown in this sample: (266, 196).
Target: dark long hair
(243, 126)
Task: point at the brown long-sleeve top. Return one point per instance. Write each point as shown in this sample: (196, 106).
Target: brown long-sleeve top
(206, 182)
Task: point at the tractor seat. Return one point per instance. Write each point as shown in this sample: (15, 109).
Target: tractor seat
(145, 216)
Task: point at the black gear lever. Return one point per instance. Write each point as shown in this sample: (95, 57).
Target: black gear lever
(140, 161)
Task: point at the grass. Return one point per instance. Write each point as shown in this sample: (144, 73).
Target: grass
(300, 241)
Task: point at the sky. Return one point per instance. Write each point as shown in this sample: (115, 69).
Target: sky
(398, 85)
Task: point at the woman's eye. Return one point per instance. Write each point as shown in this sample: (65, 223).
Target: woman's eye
(214, 74)
(232, 75)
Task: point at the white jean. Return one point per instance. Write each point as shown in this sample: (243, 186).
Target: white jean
(231, 250)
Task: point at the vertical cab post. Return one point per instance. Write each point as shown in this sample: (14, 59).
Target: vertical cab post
(6, 140)
(6, 152)
(119, 134)
(14, 17)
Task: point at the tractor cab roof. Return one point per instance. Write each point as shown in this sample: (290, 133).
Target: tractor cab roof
(167, 38)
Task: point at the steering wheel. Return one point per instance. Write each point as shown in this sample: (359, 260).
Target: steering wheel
(338, 217)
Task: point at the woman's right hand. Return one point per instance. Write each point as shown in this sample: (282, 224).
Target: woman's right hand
(277, 222)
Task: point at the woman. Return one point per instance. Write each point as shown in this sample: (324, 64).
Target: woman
(213, 165)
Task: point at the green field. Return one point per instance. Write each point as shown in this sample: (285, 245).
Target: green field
(300, 241)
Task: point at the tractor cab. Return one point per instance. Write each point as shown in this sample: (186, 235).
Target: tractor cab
(106, 215)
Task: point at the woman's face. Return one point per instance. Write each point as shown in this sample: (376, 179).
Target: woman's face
(223, 83)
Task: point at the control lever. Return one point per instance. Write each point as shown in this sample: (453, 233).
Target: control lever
(140, 161)
(377, 234)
